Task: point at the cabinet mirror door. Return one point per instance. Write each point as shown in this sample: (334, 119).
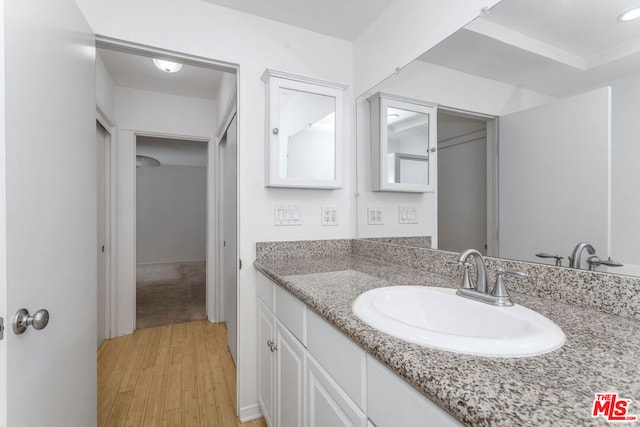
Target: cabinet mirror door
(304, 135)
(407, 147)
(403, 138)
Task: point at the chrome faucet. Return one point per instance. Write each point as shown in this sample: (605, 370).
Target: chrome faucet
(498, 295)
(481, 268)
(576, 255)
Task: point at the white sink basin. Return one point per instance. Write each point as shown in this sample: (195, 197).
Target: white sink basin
(438, 318)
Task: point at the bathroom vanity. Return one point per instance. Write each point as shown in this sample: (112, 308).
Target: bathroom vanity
(321, 365)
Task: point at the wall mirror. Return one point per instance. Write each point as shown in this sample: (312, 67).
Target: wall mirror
(304, 132)
(403, 134)
(537, 136)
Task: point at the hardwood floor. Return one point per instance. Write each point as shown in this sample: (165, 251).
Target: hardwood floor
(178, 375)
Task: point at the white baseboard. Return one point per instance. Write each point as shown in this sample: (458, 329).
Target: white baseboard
(250, 413)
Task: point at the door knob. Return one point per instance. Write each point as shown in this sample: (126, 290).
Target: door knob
(22, 320)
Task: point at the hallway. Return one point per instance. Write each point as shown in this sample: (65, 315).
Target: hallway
(175, 375)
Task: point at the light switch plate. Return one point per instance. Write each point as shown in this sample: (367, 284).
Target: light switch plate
(374, 216)
(407, 215)
(286, 215)
(329, 215)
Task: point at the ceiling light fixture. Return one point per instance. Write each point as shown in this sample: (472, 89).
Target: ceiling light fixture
(146, 162)
(167, 66)
(630, 15)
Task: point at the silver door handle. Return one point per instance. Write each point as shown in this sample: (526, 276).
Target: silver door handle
(22, 320)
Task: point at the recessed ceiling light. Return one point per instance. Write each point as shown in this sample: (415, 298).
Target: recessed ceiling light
(630, 15)
(393, 115)
(167, 66)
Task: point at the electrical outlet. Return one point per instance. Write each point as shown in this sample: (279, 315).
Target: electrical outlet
(329, 215)
(374, 216)
(286, 215)
(407, 215)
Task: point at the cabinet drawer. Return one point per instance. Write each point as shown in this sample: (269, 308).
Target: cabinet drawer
(392, 402)
(266, 291)
(291, 313)
(328, 404)
(339, 356)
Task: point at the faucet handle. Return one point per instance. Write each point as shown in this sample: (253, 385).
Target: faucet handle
(499, 289)
(594, 261)
(558, 258)
(514, 273)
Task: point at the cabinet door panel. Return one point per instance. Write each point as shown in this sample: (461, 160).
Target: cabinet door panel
(328, 405)
(290, 367)
(266, 374)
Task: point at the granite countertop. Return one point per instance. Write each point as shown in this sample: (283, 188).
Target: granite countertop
(601, 353)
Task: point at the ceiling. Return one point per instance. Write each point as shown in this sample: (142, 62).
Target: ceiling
(344, 19)
(168, 151)
(557, 47)
(138, 72)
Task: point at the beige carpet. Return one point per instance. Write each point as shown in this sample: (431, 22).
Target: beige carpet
(176, 300)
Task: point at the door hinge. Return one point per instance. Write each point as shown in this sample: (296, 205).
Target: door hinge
(239, 264)
(1, 328)
(102, 249)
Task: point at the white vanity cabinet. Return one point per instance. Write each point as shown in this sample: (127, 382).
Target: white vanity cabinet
(311, 375)
(294, 389)
(281, 363)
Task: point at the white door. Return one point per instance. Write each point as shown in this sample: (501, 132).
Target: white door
(48, 214)
(229, 156)
(102, 168)
(554, 177)
(462, 183)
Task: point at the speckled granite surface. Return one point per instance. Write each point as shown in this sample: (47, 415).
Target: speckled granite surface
(416, 241)
(303, 248)
(609, 293)
(602, 352)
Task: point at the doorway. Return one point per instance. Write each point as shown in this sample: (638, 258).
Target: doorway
(147, 101)
(171, 230)
(187, 111)
(467, 181)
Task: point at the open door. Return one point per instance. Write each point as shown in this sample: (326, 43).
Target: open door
(554, 177)
(48, 214)
(228, 173)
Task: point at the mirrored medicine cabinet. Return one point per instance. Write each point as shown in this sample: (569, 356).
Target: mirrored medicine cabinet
(403, 138)
(303, 142)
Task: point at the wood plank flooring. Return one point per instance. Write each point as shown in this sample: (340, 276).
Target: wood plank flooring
(178, 375)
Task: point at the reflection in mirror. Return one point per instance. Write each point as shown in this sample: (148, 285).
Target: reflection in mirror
(402, 131)
(407, 146)
(566, 99)
(307, 135)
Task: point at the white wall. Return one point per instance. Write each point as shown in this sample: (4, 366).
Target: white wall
(625, 232)
(404, 31)
(445, 87)
(554, 177)
(105, 89)
(171, 212)
(255, 44)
